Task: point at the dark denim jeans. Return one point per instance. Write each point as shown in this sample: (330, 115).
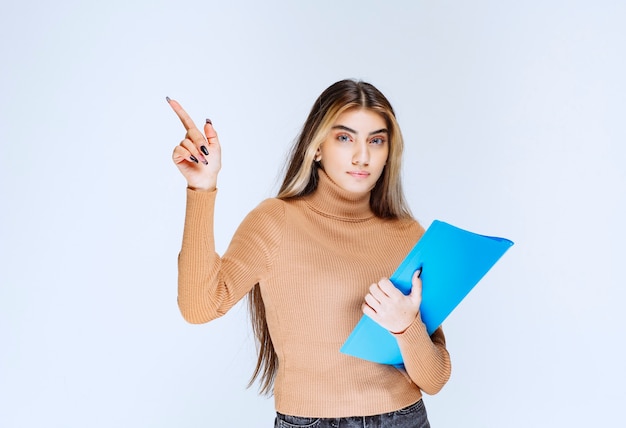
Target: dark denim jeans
(413, 416)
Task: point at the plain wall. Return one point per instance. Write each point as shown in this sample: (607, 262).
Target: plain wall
(513, 113)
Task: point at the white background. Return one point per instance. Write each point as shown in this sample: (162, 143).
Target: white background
(513, 113)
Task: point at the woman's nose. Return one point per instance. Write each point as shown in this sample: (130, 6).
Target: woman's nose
(361, 155)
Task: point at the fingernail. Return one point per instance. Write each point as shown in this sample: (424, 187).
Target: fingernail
(193, 158)
(168, 99)
(205, 162)
(209, 121)
(204, 150)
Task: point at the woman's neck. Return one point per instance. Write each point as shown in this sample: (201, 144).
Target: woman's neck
(331, 200)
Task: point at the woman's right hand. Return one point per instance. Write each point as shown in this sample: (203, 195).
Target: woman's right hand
(199, 156)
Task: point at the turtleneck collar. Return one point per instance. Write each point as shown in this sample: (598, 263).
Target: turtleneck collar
(331, 200)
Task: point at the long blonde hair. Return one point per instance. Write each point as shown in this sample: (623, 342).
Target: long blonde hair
(301, 178)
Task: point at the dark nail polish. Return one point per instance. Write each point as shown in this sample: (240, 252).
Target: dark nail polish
(205, 162)
(168, 99)
(204, 150)
(193, 158)
(209, 121)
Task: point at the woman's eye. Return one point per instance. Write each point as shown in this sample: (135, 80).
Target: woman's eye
(378, 140)
(343, 138)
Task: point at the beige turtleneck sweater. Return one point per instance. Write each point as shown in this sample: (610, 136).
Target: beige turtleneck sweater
(314, 259)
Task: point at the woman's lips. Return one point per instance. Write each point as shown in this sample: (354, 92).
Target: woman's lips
(359, 174)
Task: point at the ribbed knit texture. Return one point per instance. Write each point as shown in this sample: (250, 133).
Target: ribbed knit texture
(314, 258)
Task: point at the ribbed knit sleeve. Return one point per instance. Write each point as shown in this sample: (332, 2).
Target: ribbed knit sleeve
(209, 285)
(426, 358)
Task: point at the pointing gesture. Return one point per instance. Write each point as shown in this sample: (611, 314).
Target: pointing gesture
(198, 156)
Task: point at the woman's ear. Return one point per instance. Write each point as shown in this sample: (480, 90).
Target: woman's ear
(318, 155)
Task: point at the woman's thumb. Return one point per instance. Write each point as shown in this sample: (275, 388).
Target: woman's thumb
(416, 288)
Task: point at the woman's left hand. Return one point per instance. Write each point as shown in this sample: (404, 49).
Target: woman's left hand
(390, 308)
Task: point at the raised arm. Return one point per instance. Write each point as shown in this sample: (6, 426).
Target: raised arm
(209, 285)
(198, 158)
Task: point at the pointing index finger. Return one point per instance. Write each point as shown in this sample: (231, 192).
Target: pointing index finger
(182, 114)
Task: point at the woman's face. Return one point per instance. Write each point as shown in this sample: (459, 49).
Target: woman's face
(355, 151)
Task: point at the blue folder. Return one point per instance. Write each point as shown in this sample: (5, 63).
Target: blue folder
(452, 260)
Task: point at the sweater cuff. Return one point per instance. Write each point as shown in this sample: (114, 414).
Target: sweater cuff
(199, 210)
(200, 198)
(415, 333)
(191, 191)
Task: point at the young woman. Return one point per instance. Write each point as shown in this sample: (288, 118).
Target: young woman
(313, 260)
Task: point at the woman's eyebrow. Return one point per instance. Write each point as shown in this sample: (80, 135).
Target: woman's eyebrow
(380, 131)
(345, 128)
